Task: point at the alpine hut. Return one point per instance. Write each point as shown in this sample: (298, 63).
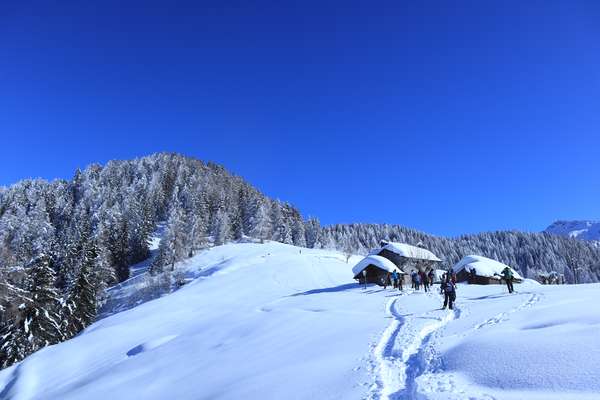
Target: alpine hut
(402, 256)
(405, 256)
(374, 269)
(482, 271)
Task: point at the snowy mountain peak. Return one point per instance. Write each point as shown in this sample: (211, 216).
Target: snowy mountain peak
(586, 230)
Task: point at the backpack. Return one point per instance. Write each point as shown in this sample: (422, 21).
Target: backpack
(448, 287)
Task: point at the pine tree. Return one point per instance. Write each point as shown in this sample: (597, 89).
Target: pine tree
(14, 345)
(174, 245)
(38, 323)
(81, 306)
(42, 318)
(312, 231)
(221, 228)
(298, 233)
(260, 221)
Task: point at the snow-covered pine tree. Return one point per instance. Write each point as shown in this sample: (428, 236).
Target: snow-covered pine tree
(120, 249)
(14, 345)
(37, 324)
(298, 233)
(281, 229)
(81, 306)
(221, 228)
(312, 231)
(175, 245)
(41, 315)
(259, 220)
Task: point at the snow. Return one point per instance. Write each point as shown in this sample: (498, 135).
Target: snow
(406, 250)
(378, 261)
(272, 321)
(131, 292)
(543, 345)
(439, 275)
(157, 235)
(483, 266)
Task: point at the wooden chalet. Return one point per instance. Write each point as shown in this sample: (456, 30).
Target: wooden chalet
(480, 270)
(551, 278)
(407, 258)
(374, 269)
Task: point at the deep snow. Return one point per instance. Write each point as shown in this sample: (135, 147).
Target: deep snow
(271, 321)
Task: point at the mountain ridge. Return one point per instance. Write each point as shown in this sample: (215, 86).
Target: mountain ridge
(578, 229)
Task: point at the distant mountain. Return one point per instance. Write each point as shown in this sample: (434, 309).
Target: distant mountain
(586, 230)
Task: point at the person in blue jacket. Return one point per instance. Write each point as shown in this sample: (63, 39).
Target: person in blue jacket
(395, 279)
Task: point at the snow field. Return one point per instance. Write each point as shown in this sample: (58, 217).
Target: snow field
(272, 321)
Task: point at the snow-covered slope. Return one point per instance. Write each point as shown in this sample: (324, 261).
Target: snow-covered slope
(273, 321)
(587, 230)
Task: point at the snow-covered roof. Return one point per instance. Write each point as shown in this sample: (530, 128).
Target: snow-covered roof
(408, 251)
(483, 266)
(378, 261)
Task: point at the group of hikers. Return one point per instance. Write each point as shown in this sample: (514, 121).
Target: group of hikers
(426, 279)
(418, 279)
(447, 283)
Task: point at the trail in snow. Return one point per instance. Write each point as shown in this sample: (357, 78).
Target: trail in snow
(403, 351)
(436, 381)
(405, 357)
(503, 316)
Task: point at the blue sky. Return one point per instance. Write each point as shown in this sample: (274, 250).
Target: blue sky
(449, 117)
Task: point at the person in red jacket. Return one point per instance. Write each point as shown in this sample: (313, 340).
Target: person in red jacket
(425, 280)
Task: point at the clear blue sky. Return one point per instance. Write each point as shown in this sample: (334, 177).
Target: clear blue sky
(450, 117)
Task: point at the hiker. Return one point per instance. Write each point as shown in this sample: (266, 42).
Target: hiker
(400, 279)
(417, 281)
(431, 276)
(424, 280)
(449, 290)
(395, 279)
(413, 277)
(386, 280)
(472, 275)
(507, 274)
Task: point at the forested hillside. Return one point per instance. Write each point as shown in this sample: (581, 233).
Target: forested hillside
(63, 242)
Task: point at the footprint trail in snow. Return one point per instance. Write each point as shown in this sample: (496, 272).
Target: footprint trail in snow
(405, 362)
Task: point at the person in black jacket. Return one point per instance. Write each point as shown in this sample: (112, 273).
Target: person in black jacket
(449, 289)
